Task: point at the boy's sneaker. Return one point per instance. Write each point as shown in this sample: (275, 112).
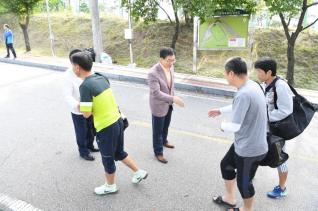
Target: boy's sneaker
(277, 192)
(106, 189)
(138, 176)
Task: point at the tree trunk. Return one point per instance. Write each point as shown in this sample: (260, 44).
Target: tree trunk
(24, 26)
(177, 26)
(158, 4)
(290, 62)
(191, 19)
(187, 18)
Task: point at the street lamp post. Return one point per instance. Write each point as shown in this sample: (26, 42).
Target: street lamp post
(130, 40)
(129, 36)
(50, 28)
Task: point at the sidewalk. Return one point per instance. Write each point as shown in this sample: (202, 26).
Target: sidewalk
(187, 82)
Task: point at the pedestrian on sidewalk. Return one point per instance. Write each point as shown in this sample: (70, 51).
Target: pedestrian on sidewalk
(161, 98)
(84, 128)
(249, 120)
(97, 99)
(8, 38)
(279, 106)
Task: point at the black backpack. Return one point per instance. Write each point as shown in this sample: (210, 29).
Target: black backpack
(296, 122)
(275, 155)
(91, 52)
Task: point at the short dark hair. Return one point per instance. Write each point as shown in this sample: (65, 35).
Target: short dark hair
(83, 60)
(237, 65)
(266, 64)
(74, 51)
(6, 25)
(164, 52)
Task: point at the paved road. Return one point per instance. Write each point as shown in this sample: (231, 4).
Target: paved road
(39, 163)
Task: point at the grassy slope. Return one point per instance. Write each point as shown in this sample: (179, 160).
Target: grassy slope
(75, 32)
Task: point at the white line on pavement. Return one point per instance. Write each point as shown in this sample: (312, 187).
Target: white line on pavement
(187, 133)
(221, 140)
(15, 204)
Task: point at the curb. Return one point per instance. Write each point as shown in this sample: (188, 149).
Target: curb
(33, 64)
(121, 77)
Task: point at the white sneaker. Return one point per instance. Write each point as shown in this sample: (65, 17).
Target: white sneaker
(138, 176)
(106, 189)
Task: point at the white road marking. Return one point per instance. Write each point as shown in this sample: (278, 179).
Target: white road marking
(221, 140)
(15, 204)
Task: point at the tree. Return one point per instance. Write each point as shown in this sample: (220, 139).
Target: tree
(209, 8)
(23, 10)
(286, 11)
(54, 5)
(148, 10)
(84, 7)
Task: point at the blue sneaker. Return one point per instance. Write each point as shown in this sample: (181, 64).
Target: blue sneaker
(277, 192)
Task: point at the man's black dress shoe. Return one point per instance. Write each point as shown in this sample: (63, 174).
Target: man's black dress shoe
(88, 157)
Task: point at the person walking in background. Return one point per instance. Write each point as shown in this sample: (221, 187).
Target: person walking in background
(97, 99)
(8, 39)
(279, 106)
(161, 84)
(249, 120)
(84, 128)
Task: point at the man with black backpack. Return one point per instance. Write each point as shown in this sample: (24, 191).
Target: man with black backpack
(279, 100)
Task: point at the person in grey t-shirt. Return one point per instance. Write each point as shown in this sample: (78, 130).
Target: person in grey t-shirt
(250, 147)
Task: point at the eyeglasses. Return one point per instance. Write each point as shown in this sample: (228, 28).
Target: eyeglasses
(170, 61)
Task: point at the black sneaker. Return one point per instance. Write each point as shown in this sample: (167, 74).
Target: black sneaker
(87, 157)
(7, 57)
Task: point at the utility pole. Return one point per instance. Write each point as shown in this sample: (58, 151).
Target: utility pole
(130, 40)
(195, 44)
(50, 28)
(97, 34)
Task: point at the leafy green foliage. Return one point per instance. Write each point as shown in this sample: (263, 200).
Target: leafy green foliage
(290, 7)
(145, 9)
(84, 7)
(148, 9)
(287, 10)
(23, 9)
(2, 10)
(54, 5)
(208, 8)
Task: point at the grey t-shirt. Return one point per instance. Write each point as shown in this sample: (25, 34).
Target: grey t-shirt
(249, 110)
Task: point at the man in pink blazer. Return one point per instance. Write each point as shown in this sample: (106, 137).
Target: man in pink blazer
(161, 84)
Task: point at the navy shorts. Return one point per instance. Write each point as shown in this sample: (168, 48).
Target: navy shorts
(110, 142)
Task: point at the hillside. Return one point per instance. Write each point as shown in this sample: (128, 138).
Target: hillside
(75, 32)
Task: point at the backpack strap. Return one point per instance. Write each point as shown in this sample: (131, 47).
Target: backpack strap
(265, 96)
(273, 85)
(260, 86)
(293, 90)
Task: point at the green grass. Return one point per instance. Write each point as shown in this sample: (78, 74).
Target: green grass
(75, 32)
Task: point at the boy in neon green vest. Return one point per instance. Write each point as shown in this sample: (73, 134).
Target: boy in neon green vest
(97, 99)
